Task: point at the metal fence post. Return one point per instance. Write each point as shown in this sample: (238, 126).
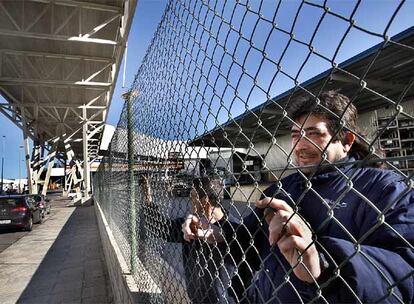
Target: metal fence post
(133, 231)
(110, 204)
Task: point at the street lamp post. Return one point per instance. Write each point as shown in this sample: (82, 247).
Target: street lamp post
(2, 165)
(20, 175)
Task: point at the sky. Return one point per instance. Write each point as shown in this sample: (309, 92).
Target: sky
(371, 15)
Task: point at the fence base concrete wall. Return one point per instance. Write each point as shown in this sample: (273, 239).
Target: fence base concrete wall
(122, 283)
(124, 287)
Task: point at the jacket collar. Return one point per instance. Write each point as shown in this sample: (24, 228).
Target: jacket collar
(331, 171)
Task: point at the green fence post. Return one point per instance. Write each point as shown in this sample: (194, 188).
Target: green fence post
(110, 185)
(128, 96)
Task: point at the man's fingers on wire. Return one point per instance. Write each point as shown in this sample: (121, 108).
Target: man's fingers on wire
(296, 225)
(290, 242)
(284, 216)
(279, 225)
(268, 214)
(276, 231)
(274, 203)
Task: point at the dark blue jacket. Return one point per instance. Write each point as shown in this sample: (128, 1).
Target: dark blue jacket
(370, 256)
(207, 272)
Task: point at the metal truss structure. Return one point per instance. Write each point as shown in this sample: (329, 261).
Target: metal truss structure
(59, 60)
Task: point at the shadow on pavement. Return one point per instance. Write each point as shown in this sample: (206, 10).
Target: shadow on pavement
(73, 270)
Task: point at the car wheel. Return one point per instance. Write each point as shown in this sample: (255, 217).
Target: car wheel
(29, 225)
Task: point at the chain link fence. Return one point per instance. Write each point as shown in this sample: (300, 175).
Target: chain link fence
(239, 170)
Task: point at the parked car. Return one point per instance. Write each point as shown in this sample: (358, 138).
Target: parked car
(19, 211)
(181, 185)
(43, 203)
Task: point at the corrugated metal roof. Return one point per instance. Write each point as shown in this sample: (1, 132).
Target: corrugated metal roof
(390, 73)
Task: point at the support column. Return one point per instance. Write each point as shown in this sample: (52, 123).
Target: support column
(68, 176)
(64, 193)
(51, 156)
(27, 160)
(36, 166)
(86, 171)
(29, 171)
(71, 179)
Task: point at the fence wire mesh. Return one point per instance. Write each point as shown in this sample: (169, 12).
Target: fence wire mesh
(239, 170)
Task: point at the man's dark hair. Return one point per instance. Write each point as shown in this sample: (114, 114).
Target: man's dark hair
(331, 106)
(208, 187)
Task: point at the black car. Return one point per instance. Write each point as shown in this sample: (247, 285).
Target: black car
(19, 211)
(182, 185)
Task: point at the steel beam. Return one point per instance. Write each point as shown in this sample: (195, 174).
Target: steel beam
(56, 55)
(52, 82)
(95, 131)
(86, 5)
(57, 105)
(86, 169)
(19, 124)
(22, 34)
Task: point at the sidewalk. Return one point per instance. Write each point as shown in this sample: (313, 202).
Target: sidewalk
(61, 262)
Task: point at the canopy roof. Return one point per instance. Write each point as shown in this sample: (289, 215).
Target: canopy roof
(59, 60)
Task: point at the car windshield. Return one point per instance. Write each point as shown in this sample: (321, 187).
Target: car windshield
(11, 202)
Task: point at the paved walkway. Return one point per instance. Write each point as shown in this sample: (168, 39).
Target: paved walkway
(61, 262)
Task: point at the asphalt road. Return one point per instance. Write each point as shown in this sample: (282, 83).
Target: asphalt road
(9, 236)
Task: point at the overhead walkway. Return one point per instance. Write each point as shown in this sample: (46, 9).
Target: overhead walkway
(59, 61)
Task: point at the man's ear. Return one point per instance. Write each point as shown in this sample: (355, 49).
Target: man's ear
(349, 141)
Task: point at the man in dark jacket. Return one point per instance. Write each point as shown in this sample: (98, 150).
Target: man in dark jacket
(336, 231)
